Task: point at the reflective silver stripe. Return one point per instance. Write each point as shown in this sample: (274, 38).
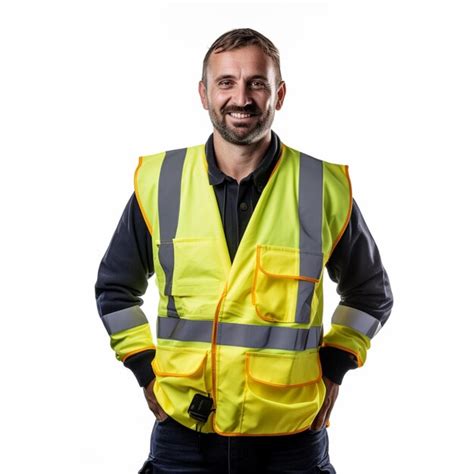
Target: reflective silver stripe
(310, 210)
(241, 335)
(184, 329)
(124, 319)
(169, 196)
(356, 319)
(259, 337)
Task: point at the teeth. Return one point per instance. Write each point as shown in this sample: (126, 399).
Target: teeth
(239, 115)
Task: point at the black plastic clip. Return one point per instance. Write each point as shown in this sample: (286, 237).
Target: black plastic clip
(200, 407)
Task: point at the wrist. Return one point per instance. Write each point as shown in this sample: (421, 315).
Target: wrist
(140, 365)
(335, 363)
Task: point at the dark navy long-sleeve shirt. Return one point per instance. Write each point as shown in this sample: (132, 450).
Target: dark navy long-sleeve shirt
(355, 263)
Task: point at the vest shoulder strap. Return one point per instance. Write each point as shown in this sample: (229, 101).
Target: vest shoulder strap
(146, 187)
(337, 200)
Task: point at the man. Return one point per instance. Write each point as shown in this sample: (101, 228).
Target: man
(238, 232)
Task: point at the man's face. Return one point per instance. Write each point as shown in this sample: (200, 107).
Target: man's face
(241, 94)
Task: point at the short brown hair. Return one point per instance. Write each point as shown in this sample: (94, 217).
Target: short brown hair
(240, 38)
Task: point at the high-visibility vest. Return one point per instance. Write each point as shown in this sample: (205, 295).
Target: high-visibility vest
(247, 332)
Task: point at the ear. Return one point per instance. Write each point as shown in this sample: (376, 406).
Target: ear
(281, 92)
(203, 95)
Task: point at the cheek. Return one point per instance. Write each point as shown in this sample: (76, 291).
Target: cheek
(267, 101)
(218, 101)
(220, 98)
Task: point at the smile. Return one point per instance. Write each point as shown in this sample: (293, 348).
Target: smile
(239, 115)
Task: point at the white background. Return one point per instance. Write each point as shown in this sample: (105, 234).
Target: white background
(87, 87)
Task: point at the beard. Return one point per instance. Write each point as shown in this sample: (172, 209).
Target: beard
(242, 134)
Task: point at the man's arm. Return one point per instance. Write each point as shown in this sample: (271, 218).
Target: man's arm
(366, 302)
(122, 280)
(366, 299)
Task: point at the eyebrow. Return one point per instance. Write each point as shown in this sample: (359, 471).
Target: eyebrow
(230, 76)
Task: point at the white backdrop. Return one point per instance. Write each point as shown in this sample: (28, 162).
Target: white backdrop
(87, 87)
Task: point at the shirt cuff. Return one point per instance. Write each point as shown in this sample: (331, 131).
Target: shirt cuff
(335, 363)
(140, 365)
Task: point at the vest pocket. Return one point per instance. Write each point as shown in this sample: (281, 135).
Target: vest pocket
(180, 374)
(284, 283)
(283, 392)
(191, 266)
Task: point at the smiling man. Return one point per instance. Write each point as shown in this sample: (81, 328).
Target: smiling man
(241, 89)
(238, 231)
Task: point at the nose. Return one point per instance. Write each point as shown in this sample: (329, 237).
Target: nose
(241, 95)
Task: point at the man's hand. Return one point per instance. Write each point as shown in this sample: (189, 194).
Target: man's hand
(153, 404)
(322, 418)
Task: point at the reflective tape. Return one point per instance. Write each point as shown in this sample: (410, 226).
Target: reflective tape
(269, 337)
(169, 197)
(241, 335)
(310, 210)
(124, 319)
(356, 319)
(184, 329)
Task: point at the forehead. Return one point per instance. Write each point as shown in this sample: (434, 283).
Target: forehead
(247, 61)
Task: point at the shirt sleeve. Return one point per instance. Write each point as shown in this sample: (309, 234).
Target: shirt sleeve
(121, 282)
(366, 299)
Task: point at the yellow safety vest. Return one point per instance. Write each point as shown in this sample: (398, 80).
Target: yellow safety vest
(246, 332)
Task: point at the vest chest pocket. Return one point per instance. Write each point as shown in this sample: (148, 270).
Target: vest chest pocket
(284, 283)
(192, 266)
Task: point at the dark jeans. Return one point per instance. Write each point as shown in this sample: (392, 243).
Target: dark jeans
(175, 448)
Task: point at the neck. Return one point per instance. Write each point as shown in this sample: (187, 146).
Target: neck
(238, 161)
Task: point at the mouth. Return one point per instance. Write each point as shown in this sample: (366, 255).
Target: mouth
(241, 115)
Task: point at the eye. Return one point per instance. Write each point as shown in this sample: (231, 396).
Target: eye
(225, 83)
(258, 85)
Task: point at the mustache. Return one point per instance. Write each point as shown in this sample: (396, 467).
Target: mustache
(248, 109)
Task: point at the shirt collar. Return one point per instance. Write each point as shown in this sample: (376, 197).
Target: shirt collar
(259, 176)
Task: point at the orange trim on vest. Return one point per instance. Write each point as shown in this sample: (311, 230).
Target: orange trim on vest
(234, 435)
(280, 385)
(265, 317)
(349, 213)
(140, 205)
(213, 351)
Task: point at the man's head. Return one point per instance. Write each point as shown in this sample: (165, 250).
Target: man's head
(241, 85)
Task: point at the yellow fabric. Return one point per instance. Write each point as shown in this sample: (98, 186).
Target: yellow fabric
(337, 187)
(255, 392)
(349, 340)
(275, 283)
(131, 341)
